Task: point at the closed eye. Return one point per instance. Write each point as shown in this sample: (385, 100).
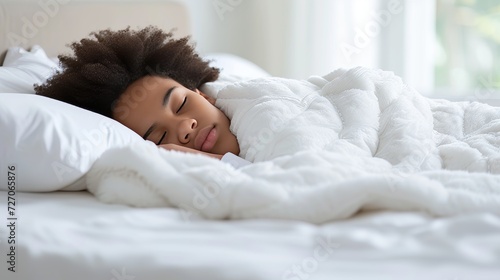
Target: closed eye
(161, 139)
(182, 105)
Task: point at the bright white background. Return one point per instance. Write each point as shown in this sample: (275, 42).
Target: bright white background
(443, 48)
(299, 38)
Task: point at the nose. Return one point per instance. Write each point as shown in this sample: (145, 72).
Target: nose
(185, 130)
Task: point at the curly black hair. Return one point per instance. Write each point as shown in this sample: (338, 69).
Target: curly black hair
(107, 62)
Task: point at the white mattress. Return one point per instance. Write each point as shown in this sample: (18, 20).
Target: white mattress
(66, 235)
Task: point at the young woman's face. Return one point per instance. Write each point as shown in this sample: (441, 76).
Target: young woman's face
(165, 112)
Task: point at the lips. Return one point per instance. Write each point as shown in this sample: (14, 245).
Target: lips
(206, 138)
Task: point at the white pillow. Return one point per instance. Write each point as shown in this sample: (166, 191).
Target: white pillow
(52, 144)
(233, 65)
(22, 69)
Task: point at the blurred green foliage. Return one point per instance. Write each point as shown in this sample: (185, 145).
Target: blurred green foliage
(468, 45)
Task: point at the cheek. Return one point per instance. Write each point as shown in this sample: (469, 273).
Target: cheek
(171, 139)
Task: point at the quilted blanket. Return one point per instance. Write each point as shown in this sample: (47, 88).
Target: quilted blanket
(323, 149)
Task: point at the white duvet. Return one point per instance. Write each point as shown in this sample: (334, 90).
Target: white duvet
(322, 149)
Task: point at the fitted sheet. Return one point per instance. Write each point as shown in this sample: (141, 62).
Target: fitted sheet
(71, 235)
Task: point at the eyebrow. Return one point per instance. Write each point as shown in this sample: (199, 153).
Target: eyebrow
(166, 98)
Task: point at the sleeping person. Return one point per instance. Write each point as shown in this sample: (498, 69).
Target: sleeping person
(149, 82)
(161, 89)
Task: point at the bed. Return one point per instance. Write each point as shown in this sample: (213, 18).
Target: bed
(52, 228)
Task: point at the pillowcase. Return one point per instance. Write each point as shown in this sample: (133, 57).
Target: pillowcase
(52, 144)
(236, 66)
(22, 69)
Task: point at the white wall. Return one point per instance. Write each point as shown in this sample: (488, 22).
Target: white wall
(274, 34)
(299, 38)
(253, 29)
(291, 38)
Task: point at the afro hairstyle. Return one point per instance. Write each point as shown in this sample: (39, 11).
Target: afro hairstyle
(107, 62)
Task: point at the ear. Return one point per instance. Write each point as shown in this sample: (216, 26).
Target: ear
(208, 98)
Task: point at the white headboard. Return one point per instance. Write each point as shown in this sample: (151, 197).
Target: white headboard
(53, 24)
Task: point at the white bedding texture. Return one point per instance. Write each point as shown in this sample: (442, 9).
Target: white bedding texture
(68, 235)
(319, 214)
(322, 149)
(54, 142)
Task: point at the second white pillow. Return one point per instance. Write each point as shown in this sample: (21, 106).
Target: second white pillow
(22, 69)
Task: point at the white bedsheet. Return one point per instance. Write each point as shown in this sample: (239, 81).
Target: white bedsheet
(73, 236)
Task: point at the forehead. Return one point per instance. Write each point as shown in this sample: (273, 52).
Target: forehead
(145, 86)
(140, 100)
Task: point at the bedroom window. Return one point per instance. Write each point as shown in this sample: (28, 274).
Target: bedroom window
(467, 48)
(443, 48)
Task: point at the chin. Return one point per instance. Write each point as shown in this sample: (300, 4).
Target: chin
(236, 151)
(235, 148)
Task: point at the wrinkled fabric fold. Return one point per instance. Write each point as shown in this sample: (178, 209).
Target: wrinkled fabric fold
(322, 149)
